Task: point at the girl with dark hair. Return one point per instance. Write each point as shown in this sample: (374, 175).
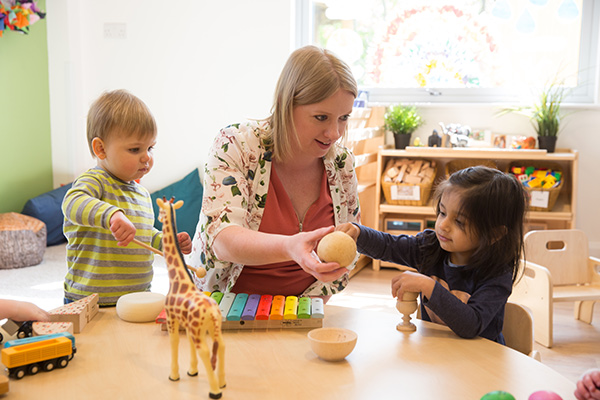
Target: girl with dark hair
(466, 267)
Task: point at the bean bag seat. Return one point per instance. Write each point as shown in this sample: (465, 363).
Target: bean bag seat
(22, 241)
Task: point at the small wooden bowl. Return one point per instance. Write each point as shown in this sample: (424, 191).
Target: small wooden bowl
(332, 344)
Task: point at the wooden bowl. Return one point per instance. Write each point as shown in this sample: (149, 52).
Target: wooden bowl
(332, 344)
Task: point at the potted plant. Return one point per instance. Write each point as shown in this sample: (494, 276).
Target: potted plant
(402, 121)
(545, 115)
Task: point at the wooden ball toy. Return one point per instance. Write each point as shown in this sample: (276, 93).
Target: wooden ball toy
(498, 395)
(544, 395)
(337, 247)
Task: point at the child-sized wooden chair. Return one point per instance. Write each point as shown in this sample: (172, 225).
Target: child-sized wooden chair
(558, 269)
(518, 330)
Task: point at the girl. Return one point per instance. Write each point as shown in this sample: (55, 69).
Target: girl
(466, 267)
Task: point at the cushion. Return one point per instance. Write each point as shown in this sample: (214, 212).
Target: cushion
(47, 208)
(22, 241)
(189, 189)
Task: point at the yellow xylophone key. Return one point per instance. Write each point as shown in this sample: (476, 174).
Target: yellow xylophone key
(291, 308)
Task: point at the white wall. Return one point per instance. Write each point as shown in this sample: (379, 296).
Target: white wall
(200, 65)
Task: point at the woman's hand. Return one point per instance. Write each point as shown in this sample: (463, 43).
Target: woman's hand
(409, 281)
(301, 249)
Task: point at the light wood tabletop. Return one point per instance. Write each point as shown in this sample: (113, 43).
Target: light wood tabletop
(121, 360)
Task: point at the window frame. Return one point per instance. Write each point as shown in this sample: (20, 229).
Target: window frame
(585, 93)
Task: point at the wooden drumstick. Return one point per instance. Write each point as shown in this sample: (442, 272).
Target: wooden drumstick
(200, 272)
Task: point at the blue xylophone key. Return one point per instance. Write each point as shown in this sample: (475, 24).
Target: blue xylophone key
(250, 308)
(235, 312)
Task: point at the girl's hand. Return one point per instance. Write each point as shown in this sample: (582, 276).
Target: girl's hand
(122, 228)
(185, 243)
(588, 387)
(409, 281)
(350, 229)
(301, 249)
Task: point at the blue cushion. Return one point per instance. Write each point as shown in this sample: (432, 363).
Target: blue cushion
(47, 208)
(189, 189)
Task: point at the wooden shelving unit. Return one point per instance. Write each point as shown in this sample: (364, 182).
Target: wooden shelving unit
(562, 215)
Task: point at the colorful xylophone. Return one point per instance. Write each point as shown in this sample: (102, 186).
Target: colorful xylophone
(255, 311)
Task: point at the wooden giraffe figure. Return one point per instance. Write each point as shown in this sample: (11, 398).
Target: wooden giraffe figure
(188, 307)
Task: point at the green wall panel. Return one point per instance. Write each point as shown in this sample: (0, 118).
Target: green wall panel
(25, 153)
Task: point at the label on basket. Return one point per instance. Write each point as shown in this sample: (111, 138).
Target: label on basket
(406, 192)
(539, 198)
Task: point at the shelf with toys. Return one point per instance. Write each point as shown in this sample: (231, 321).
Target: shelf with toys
(401, 207)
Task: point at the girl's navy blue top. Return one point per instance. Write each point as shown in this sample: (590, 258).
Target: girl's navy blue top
(468, 307)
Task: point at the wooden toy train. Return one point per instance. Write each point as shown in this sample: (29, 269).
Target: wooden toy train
(255, 311)
(39, 353)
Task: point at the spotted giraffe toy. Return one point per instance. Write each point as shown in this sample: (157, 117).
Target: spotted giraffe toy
(188, 307)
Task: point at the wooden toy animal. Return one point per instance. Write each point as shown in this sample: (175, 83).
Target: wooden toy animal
(187, 306)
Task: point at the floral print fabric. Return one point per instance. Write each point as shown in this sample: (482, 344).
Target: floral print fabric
(236, 181)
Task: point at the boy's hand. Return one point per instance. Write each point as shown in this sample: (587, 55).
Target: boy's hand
(122, 228)
(185, 243)
(350, 229)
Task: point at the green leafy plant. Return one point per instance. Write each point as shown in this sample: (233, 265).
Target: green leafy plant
(402, 120)
(545, 114)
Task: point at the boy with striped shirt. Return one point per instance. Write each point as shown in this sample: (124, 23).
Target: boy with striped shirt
(106, 208)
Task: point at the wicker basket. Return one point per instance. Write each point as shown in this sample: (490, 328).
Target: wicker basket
(395, 192)
(457, 165)
(552, 192)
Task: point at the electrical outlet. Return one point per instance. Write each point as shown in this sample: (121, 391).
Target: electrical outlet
(115, 31)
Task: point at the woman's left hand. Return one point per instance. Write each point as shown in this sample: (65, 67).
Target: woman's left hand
(301, 250)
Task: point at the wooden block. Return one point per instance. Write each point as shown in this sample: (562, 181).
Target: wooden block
(401, 174)
(3, 384)
(79, 313)
(47, 328)
(413, 180)
(416, 167)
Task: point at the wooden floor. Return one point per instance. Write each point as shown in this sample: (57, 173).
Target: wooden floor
(576, 344)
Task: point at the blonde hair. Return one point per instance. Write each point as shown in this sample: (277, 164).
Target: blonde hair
(310, 75)
(119, 112)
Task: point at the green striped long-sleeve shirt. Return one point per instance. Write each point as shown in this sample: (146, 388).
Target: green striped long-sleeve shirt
(95, 263)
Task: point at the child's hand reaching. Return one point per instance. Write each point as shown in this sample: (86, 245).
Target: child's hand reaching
(122, 228)
(409, 281)
(350, 229)
(588, 387)
(185, 243)
(22, 311)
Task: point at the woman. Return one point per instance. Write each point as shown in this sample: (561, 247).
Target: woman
(274, 188)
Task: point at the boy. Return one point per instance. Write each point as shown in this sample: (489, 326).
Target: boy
(106, 203)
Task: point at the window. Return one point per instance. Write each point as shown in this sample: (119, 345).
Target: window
(461, 50)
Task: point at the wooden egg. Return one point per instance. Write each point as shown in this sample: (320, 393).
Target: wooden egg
(337, 247)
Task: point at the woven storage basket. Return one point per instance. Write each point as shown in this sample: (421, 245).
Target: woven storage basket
(392, 189)
(457, 165)
(552, 192)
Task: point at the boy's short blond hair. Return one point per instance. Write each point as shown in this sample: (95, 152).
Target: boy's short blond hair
(119, 112)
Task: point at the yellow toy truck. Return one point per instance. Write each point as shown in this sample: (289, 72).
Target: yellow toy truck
(30, 358)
